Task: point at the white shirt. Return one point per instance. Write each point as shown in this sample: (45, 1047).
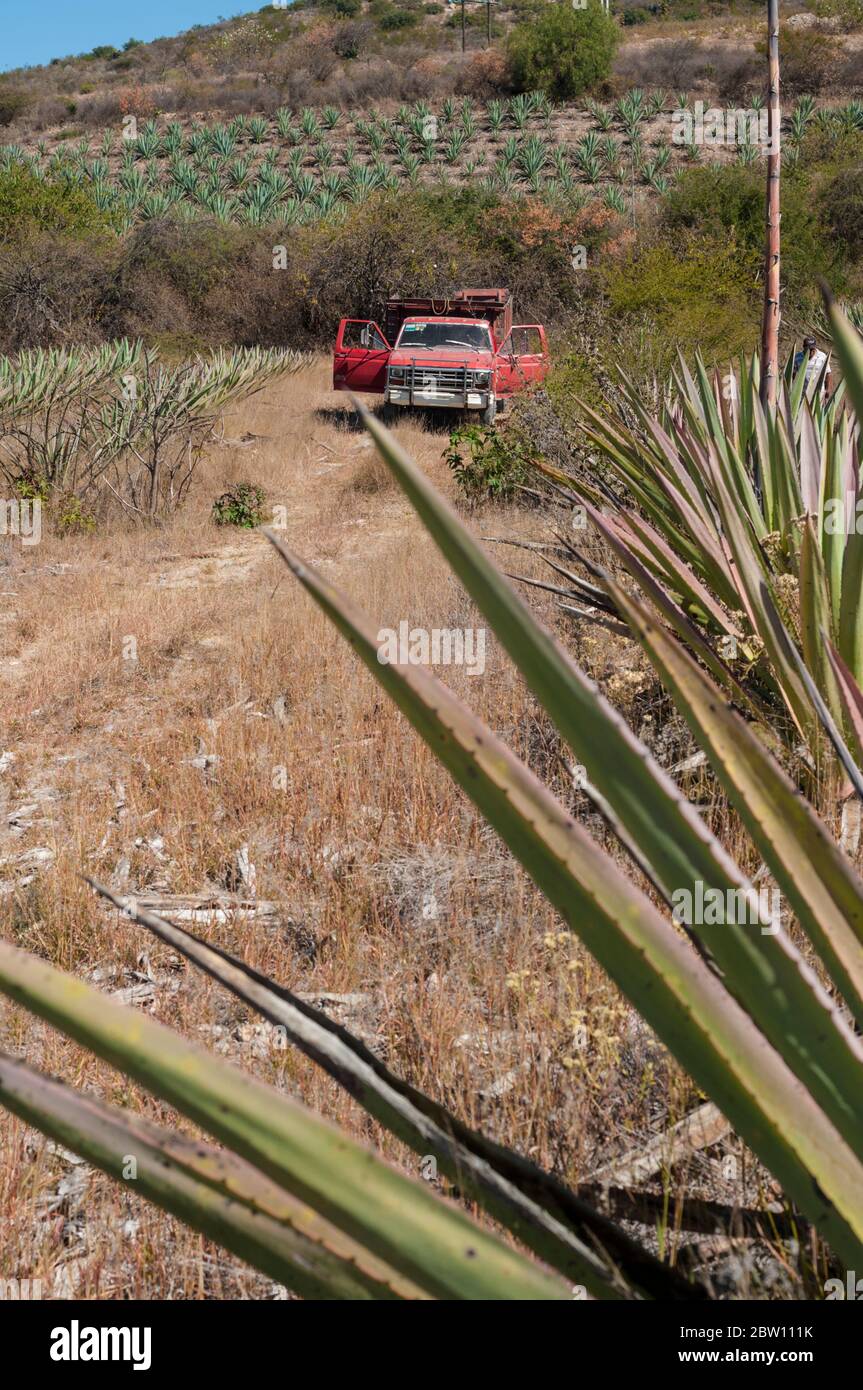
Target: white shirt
(813, 365)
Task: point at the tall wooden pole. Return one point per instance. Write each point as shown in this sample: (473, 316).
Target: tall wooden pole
(772, 313)
(488, 23)
(462, 26)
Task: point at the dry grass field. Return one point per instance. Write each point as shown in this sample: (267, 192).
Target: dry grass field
(186, 729)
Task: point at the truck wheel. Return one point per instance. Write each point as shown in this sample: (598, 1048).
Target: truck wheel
(490, 411)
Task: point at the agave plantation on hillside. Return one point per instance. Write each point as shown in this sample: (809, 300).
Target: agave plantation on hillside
(308, 164)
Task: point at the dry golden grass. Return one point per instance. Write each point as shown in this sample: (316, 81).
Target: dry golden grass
(387, 885)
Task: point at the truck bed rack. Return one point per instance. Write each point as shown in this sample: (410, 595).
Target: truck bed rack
(492, 305)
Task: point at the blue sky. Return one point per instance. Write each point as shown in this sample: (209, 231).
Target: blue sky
(35, 31)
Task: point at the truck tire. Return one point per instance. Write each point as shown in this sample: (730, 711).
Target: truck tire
(490, 411)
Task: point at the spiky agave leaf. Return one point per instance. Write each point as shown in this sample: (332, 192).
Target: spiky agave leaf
(672, 839)
(396, 1218)
(536, 1208)
(210, 1189)
(685, 1003)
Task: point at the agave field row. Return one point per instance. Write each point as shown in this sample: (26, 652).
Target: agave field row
(310, 164)
(115, 421)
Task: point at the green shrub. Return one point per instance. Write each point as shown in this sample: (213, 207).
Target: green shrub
(29, 205)
(71, 517)
(393, 19)
(12, 105)
(843, 210)
(686, 293)
(242, 505)
(808, 59)
(729, 201)
(487, 463)
(563, 51)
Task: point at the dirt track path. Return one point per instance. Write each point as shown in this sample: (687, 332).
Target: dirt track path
(70, 605)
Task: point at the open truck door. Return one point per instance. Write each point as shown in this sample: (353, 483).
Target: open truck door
(522, 359)
(361, 357)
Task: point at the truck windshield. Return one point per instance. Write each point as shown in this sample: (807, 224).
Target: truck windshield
(474, 336)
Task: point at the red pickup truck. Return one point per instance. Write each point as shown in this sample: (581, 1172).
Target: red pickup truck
(459, 353)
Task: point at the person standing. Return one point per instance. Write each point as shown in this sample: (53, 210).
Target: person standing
(814, 361)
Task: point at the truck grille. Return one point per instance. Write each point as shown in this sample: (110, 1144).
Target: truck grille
(454, 380)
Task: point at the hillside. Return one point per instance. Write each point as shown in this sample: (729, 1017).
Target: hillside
(354, 53)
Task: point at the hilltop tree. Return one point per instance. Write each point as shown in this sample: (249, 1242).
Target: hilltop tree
(563, 51)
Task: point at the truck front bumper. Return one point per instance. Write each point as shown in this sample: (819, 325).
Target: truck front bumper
(449, 400)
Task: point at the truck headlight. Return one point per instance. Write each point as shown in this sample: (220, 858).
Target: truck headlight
(397, 374)
(481, 379)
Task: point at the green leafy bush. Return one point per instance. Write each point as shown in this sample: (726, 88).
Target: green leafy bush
(686, 294)
(563, 51)
(72, 518)
(12, 104)
(242, 505)
(29, 205)
(487, 463)
(729, 201)
(393, 19)
(843, 209)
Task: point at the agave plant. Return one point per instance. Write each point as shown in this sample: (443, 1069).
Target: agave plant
(610, 150)
(495, 115)
(173, 138)
(324, 154)
(304, 187)
(149, 142)
(850, 116)
(237, 172)
(519, 111)
(631, 108)
(560, 160)
(656, 102)
(469, 125)
(309, 123)
(748, 532)
(509, 151)
(222, 141)
(454, 144)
